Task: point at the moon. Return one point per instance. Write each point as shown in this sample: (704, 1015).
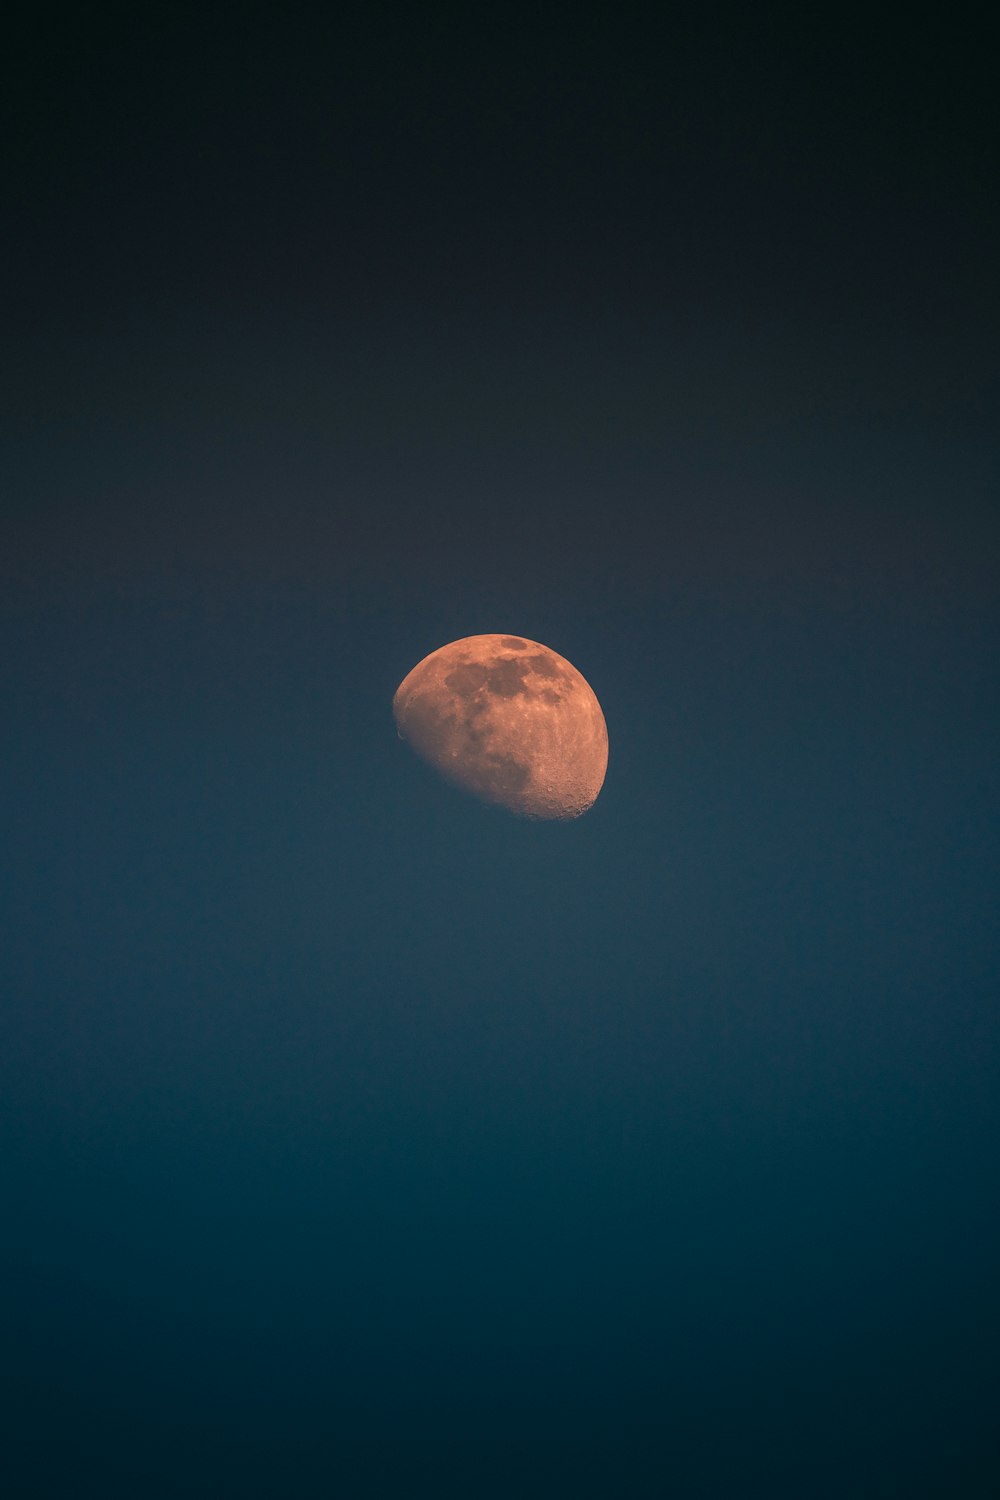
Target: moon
(510, 721)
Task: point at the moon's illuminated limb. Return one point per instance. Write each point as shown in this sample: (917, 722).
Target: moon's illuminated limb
(509, 720)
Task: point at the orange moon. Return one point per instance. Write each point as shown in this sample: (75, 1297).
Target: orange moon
(508, 720)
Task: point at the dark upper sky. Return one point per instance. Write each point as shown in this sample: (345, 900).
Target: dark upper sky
(360, 1140)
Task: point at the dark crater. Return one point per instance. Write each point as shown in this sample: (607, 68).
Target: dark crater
(506, 678)
(544, 666)
(504, 776)
(426, 720)
(513, 643)
(466, 680)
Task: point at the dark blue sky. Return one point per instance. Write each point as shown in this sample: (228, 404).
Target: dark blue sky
(360, 1140)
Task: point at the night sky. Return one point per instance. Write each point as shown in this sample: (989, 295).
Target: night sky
(362, 1140)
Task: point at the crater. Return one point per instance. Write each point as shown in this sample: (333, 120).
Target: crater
(513, 643)
(506, 678)
(544, 666)
(504, 776)
(466, 680)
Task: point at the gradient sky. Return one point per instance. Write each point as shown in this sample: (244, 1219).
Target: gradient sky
(361, 1140)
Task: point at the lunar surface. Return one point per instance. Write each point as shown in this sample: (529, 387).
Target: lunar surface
(508, 720)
